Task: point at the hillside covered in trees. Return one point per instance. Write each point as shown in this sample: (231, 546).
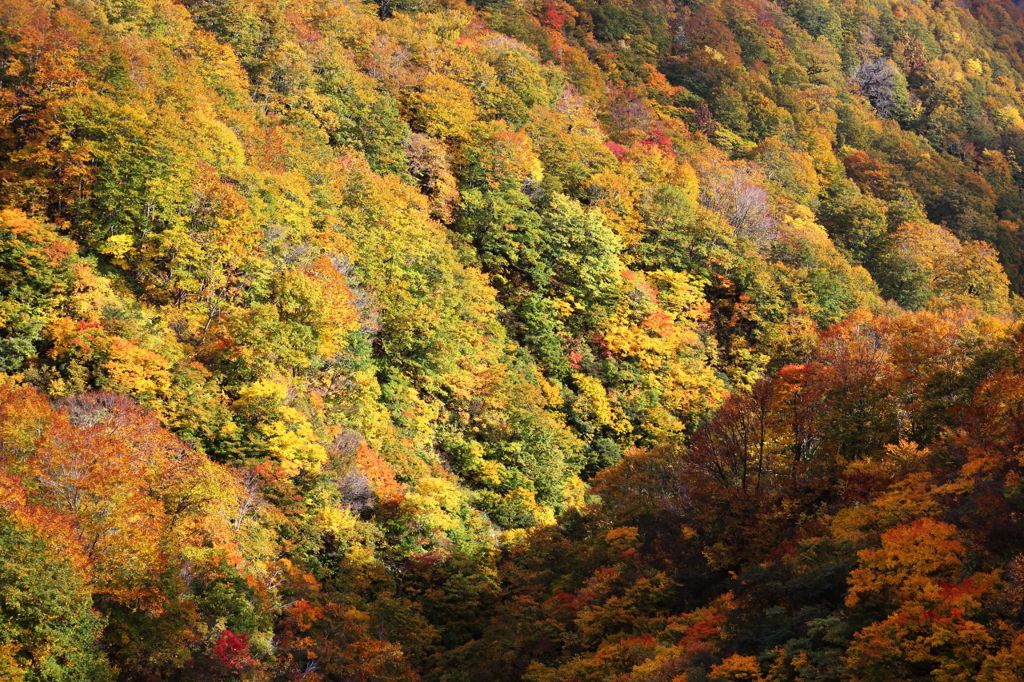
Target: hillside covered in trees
(521, 340)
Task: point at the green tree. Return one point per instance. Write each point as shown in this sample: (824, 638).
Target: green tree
(48, 630)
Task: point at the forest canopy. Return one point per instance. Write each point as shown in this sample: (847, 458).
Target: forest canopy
(539, 340)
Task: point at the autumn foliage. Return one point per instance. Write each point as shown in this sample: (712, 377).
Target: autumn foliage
(504, 340)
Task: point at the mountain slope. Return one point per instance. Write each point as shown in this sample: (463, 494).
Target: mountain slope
(325, 325)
